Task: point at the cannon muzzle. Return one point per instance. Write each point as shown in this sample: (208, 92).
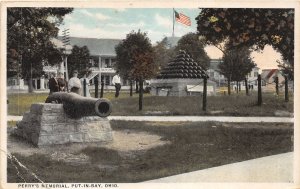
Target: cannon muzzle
(77, 106)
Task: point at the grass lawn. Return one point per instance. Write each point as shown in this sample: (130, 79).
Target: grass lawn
(233, 105)
(193, 146)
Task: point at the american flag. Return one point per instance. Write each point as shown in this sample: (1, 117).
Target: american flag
(182, 19)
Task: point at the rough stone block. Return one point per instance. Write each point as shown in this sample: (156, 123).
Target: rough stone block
(47, 124)
(46, 129)
(36, 108)
(77, 137)
(63, 128)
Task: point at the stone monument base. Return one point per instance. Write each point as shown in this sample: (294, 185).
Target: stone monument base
(178, 87)
(48, 124)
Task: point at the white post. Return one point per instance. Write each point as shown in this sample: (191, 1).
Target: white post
(35, 82)
(42, 81)
(61, 67)
(67, 73)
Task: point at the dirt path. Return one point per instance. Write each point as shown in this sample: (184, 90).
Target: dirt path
(125, 142)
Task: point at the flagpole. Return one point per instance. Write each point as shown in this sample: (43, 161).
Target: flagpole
(173, 22)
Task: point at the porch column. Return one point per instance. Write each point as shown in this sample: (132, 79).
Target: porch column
(35, 82)
(42, 83)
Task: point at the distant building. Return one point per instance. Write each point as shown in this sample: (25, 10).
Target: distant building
(103, 59)
(221, 80)
(214, 74)
(172, 41)
(268, 80)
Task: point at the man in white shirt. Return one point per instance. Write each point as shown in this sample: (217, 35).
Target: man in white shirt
(74, 83)
(116, 81)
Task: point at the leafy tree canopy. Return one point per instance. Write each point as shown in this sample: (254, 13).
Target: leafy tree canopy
(134, 58)
(163, 53)
(194, 47)
(79, 60)
(29, 34)
(236, 64)
(250, 27)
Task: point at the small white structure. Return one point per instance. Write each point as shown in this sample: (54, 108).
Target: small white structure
(181, 87)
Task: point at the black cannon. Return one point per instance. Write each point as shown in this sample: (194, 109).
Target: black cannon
(77, 106)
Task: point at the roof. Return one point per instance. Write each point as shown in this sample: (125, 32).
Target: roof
(96, 46)
(214, 64)
(269, 73)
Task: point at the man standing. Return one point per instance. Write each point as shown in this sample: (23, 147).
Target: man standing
(61, 82)
(116, 81)
(86, 86)
(53, 84)
(74, 83)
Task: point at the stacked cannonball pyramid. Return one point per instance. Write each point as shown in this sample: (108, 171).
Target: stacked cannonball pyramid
(183, 66)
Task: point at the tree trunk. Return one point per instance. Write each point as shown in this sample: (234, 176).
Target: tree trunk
(131, 87)
(30, 86)
(228, 86)
(259, 95)
(246, 86)
(277, 86)
(96, 88)
(141, 95)
(286, 89)
(204, 94)
(136, 86)
(84, 87)
(237, 87)
(102, 88)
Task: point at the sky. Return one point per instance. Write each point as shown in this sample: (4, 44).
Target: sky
(156, 22)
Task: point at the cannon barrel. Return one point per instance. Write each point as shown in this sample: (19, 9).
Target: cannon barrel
(77, 106)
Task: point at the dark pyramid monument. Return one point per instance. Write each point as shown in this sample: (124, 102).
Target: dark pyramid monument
(181, 77)
(182, 66)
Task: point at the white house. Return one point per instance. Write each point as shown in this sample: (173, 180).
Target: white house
(214, 75)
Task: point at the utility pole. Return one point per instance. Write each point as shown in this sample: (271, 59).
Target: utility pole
(66, 41)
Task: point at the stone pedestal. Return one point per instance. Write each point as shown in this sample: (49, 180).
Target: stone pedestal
(178, 87)
(47, 124)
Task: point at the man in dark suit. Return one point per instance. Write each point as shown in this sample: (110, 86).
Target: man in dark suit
(61, 82)
(53, 84)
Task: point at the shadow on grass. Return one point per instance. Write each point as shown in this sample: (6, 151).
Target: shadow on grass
(234, 105)
(193, 146)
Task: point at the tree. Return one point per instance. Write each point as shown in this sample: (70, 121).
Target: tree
(163, 53)
(236, 64)
(194, 47)
(29, 34)
(250, 27)
(135, 60)
(79, 60)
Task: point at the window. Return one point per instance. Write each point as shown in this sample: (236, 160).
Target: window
(255, 74)
(107, 80)
(113, 62)
(107, 63)
(211, 74)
